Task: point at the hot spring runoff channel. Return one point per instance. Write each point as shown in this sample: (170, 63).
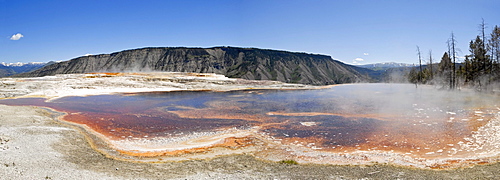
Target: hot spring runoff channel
(421, 122)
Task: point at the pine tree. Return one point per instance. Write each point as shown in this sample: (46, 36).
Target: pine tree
(444, 70)
(420, 73)
(495, 51)
(479, 61)
(413, 76)
(467, 72)
(485, 61)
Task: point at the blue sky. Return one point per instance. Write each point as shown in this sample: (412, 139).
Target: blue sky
(375, 31)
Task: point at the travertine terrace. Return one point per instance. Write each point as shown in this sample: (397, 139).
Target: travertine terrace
(51, 87)
(265, 134)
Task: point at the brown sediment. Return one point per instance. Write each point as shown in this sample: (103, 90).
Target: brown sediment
(164, 153)
(107, 73)
(421, 142)
(101, 75)
(128, 125)
(231, 143)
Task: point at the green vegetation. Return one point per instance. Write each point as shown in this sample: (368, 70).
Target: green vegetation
(480, 69)
(274, 74)
(296, 75)
(195, 57)
(293, 162)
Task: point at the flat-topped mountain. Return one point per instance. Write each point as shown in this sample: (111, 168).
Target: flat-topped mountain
(246, 63)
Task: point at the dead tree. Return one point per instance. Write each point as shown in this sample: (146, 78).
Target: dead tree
(420, 65)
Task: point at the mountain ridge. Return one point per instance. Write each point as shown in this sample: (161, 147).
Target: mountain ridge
(234, 62)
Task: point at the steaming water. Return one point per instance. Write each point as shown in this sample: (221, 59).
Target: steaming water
(370, 122)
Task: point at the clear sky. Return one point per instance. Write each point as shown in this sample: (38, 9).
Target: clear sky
(372, 30)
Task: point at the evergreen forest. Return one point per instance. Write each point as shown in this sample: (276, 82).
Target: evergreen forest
(480, 69)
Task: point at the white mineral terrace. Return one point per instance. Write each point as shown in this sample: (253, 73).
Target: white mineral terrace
(52, 87)
(181, 141)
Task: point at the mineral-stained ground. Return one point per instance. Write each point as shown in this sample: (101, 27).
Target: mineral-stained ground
(33, 145)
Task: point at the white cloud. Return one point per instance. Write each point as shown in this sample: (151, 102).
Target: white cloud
(358, 60)
(366, 54)
(16, 37)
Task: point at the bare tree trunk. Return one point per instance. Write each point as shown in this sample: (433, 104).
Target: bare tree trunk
(450, 73)
(430, 64)
(482, 26)
(454, 60)
(420, 65)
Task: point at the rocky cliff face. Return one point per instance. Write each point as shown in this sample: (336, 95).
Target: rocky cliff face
(246, 63)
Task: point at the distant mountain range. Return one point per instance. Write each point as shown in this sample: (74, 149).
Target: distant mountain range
(8, 69)
(385, 66)
(387, 71)
(20, 64)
